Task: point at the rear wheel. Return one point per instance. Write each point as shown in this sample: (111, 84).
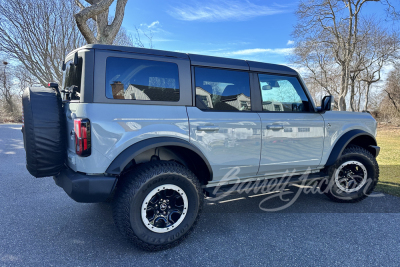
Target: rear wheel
(157, 204)
(353, 177)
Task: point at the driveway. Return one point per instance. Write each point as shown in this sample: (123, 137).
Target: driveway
(41, 225)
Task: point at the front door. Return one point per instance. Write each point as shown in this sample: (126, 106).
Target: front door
(292, 132)
(222, 124)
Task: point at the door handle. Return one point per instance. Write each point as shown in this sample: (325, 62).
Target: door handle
(274, 127)
(207, 128)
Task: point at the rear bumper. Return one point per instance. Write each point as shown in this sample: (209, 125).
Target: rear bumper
(85, 188)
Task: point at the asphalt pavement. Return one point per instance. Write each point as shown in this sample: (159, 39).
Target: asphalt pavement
(41, 226)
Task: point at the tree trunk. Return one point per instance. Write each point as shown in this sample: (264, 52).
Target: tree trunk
(343, 89)
(367, 96)
(352, 94)
(99, 11)
(359, 96)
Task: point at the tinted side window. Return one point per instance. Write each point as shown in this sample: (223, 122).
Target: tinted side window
(128, 78)
(225, 90)
(282, 93)
(72, 78)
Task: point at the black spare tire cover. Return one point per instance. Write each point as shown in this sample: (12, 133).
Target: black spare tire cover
(45, 131)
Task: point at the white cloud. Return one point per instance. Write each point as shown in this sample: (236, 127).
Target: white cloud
(278, 51)
(153, 24)
(162, 40)
(154, 27)
(220, 10)
(290, 42)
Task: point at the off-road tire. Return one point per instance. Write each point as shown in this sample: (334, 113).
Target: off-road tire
(131, 191)
(359, 154)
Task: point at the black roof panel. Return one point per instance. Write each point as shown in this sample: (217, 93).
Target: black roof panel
(138, 50)
(200, 60)
(219, 62)
(272, 68)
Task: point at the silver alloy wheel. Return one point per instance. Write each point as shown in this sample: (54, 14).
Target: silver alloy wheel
(164, 208)
(351, 176)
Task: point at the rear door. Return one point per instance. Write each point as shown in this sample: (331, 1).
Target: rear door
(292, 132)
(222, 123)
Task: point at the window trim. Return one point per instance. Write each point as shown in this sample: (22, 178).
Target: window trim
(258, 89)
(100, 78)
(163, 101)
(219, 68)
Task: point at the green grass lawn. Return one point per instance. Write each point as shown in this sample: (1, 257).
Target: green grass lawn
(389, 160)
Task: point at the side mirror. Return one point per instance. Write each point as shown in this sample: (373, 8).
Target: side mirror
(326, 103)
(64, 66)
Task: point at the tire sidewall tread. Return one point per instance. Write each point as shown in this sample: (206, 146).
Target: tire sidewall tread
(134, 187)
(362, 155)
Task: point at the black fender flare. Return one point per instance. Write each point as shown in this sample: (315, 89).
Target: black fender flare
(344, 140)
(126, 156)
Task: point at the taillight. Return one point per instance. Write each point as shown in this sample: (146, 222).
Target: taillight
(82, 137)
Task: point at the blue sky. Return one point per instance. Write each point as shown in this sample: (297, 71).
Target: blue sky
(246, 29)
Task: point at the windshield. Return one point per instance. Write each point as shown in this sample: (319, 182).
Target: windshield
(72, 80)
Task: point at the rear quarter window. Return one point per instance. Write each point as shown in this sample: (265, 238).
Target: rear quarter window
(72, 79)
(143, 80)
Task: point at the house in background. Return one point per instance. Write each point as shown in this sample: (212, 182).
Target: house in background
(117, 89)
(272, 106)
(239, 102)
(204, 100)
(203, 97)
(142, 92)
(133, 92)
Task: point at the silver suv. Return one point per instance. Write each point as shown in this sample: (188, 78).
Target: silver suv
(157, 131)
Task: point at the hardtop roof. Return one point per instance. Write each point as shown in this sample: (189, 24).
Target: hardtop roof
(199, 60)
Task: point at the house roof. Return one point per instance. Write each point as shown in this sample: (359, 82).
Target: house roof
(232, 97)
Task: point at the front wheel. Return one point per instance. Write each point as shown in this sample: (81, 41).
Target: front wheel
(157, 204)
(353, 177)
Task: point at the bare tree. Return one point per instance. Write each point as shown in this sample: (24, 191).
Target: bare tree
(98, 10)
(391, 11)
(336, 24)
(376, 48)
(392, 89)
(6, 95)
(322, 72)
(22, 79)
(138, 40)
(126, 39)
(39, 34)
(332, 36)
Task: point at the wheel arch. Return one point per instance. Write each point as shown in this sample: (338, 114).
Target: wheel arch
(354, 137)
(180, 150)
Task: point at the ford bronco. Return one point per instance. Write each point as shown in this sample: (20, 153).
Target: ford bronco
(157, 131)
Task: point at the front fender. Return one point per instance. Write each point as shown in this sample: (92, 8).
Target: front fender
(344, 140)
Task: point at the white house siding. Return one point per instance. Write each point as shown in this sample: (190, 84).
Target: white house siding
(134, 93)
(202, 92)
(237, 102)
